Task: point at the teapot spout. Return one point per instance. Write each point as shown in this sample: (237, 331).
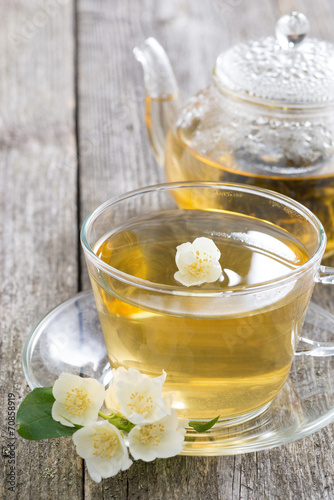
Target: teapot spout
(162, 93)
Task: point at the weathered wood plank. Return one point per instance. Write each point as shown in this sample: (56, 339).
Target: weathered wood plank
(193, 33)
(38, 217)
(38, 206)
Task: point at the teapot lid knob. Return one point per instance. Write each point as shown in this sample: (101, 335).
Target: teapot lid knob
(291, 30)
(290, 69)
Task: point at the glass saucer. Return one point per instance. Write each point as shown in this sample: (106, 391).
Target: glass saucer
(69, 338)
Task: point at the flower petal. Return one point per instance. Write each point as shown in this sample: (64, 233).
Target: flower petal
(130, 376)
(139, 397)
(214, 273)
(206, 245)
(111, 400)
(77, 399)
(162, 439)
(102, 445)
(188, 279)
(197, 262)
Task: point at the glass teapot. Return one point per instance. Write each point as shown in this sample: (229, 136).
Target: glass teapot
(266, 119)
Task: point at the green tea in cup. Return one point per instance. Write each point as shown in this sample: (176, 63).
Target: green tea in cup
(226, 345)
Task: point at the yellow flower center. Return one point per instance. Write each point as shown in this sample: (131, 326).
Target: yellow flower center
(140, 404)
(152, 434)
(201, 264)
(77, 401)
(105, 444)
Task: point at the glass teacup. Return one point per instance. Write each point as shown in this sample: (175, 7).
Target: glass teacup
(227, 346)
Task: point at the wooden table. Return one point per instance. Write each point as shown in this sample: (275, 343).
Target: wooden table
(72, 135)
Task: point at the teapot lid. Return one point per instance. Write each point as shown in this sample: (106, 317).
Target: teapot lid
(291, 69)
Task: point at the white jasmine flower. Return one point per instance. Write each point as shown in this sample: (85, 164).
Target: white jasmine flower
(78, 400)
(160, 439)
(197, 262)
(111, 400)
(102, 445)
(137, 397)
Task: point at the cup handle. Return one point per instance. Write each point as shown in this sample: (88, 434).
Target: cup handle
(312, 347)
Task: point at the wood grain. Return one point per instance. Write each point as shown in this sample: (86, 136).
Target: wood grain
(69, 73)
(192, 33)
(38, 217)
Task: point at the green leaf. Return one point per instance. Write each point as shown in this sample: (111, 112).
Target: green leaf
(203, 426)
(35, 420)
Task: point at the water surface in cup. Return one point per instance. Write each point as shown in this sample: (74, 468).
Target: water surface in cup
(230, 362)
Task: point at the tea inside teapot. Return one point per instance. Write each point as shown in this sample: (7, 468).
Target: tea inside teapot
(267, 119)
